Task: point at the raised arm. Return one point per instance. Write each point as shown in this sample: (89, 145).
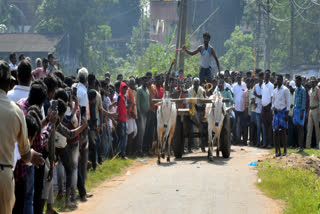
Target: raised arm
(171, 65)
(174, 61)
(191, 53)
(216, 58)
(64, 131)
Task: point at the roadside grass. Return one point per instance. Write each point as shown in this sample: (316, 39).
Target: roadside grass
(306, 152)
(298, 188)
(107, 170)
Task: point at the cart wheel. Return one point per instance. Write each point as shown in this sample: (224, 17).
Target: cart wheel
(178, 139)
(225, 145)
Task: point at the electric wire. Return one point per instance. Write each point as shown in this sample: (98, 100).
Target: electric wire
(305, 19)
(315, 2)
(303, 8)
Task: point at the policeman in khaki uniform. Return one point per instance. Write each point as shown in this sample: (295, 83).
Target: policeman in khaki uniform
(12, 129)
(313, 121)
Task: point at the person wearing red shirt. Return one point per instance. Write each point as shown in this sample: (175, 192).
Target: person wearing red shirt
(181, 74)
(122, 118)
(159, 86)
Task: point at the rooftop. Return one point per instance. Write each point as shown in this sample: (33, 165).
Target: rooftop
(28, 42)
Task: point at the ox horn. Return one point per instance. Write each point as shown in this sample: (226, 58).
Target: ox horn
(208, 87)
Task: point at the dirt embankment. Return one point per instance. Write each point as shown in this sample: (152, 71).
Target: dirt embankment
(298, 161)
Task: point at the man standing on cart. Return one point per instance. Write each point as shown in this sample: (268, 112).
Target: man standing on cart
(207, 66)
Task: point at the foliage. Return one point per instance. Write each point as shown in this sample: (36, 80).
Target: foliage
(306, 30)
(3, 28)
(299, 188)
(123, 16)
(98, 50)
(239, 55)
(11, 15)
(84, 21)
(140, 38)
(107, 170)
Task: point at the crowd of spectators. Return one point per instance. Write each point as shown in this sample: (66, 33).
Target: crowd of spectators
(66, 125)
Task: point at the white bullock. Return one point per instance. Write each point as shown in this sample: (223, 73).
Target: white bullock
(215, 113)
(166, 119)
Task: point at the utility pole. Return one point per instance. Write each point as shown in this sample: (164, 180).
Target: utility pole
(178, 45)
(291, 36)
(183, 31)
(258, 36)
(268, 34)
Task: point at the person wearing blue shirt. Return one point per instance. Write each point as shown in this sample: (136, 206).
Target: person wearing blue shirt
(225, 92)
(299, 110)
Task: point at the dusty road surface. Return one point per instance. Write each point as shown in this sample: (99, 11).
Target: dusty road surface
(190, 185)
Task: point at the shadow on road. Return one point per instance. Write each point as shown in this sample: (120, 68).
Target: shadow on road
(197, 159)
(166, 164)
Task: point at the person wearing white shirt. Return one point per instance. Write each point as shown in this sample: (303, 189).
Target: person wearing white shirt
(82, 90)
(257, 95)
(196, 91)
(292, 135)
(21, 91)
(266, 113)
(280, 106)
(83, 103)
(227, 86)
(240, 95)
(13, 61)
(252, 111)
(24, 79)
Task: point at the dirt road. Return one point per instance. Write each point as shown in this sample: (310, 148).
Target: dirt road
(190, 185)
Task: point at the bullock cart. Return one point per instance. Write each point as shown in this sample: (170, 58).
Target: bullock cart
(199, 112)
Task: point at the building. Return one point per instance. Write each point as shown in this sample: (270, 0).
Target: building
(39, 46)
(164, 19)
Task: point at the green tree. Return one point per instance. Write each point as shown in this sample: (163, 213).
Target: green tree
(80, 18)
(306, 30)
(239, 55)
(11, 16)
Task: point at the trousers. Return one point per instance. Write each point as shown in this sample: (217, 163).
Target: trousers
(7, 198)
(142, 121)
(313, 122)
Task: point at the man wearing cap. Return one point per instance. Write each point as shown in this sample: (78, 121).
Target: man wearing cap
(15, 132)
(313, 120)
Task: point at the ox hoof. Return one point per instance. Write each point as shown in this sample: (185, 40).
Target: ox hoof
(162, 155)
(159, 162)
(168, 159)
(210, 158)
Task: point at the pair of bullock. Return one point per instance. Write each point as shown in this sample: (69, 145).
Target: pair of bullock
(167, 114)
